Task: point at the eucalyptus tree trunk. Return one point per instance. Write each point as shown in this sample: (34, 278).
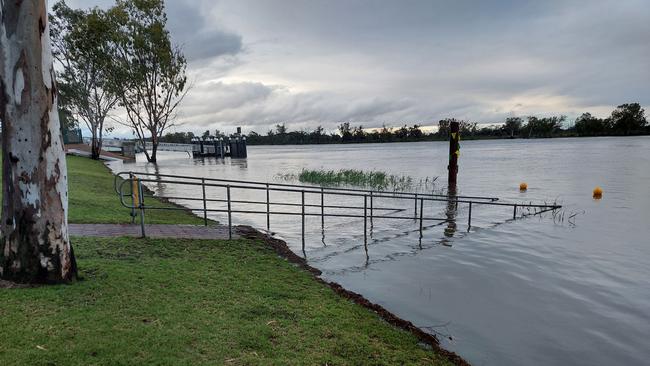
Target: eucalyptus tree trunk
(94, 147)
(34, 243)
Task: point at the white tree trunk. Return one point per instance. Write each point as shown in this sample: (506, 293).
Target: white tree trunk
(34, 243)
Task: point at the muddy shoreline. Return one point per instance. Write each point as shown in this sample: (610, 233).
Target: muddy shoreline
(282, 249)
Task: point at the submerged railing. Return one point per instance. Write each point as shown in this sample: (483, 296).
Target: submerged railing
(366, 211)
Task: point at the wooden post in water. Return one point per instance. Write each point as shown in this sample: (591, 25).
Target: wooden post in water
(454, 152)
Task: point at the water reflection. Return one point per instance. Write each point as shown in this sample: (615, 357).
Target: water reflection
(208, 161)
(240, 163)
(450, 213)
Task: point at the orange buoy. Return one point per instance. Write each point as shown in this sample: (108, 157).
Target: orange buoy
(523, 187)
(598, 193)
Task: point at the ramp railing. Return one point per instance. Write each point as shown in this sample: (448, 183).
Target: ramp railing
(328, 199)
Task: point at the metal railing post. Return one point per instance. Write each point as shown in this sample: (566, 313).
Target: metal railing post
(421, 215)
(134, 195)
(365, 219)
(415, 209)
(469, 219)
(229, 213)
(514, 213)
(322, 208)
(303, 220)
(141, 205)
(268, 208)
(371, 209)
(205, 208)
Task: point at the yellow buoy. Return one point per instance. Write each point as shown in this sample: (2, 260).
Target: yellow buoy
(523, 187)
(598, 193)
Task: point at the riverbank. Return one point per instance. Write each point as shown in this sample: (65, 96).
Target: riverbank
(178, 301)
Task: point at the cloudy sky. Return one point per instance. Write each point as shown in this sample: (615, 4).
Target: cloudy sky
(308, 63)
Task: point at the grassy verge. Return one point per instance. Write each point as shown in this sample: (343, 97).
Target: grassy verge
(189, 302)
(367, 179)
(186, 302)
(92, 198)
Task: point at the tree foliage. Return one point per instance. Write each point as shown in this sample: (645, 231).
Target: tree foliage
(512, 126)
(148, 70)
(588, 125)
(81, 43)
(627, 119)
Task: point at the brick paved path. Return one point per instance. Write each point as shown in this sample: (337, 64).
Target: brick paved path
(152, 231)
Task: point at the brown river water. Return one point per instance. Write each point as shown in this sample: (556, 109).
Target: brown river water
(534, 291)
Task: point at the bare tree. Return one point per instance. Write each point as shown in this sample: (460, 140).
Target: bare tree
(34, 244)
(81, 41)
(149, 72)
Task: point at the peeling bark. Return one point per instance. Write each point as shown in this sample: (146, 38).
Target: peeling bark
(34, 242)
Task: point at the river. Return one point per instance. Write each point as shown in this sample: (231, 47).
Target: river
(534, 291)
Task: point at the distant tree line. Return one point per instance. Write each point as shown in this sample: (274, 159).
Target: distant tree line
(626, 119)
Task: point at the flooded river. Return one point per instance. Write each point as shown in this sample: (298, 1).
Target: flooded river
(535, 291)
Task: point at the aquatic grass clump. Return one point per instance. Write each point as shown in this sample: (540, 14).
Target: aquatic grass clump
(367, 179)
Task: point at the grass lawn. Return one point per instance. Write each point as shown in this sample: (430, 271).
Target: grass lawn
(186, 302)
(189, 302)
(93, 198)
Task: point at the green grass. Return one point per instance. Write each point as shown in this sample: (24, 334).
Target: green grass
(192, 302)
(186, 302)
(367, 179)
(92, 198)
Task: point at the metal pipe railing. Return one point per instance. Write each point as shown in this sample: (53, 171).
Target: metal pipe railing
(365, 191)
(137, 194)
(310, 189)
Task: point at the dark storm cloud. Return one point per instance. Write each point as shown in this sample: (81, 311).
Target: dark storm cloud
(309, 63)
(199, 36)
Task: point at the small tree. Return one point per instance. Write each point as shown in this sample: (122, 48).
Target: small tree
(358, 134)
(588, 125)
(82, 40)
(148, 71)
(467, 128)
(628, 118)
(317, 134)
(531, 126)
(34, 244)
(345, 131)
(415, 132)
(513, 126)
(281, 129)
(443, 127)
(385, 134)
(402, 133)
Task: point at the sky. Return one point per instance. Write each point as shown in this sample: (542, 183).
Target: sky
(305, 63)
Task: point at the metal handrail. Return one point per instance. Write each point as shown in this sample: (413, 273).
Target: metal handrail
(357, 193)
(328, 189)
(138, 203)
